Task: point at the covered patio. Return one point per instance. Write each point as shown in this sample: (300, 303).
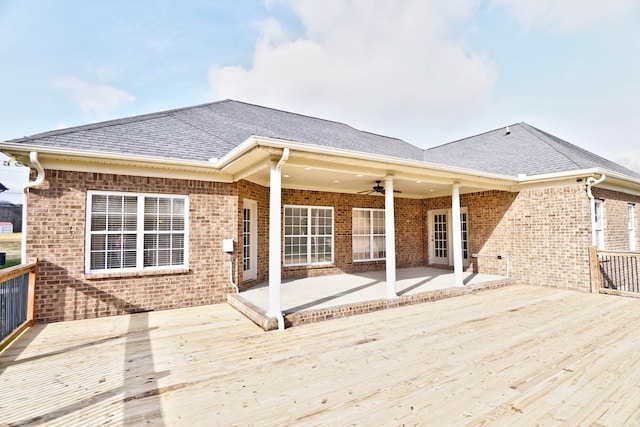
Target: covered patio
(302, 206)
(319, 298)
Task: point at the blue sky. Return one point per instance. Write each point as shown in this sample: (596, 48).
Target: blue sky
(429, 72)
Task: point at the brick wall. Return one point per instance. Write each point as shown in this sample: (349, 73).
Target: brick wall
(56, 217)
(544, 233)
(615, 215)
(409, 248)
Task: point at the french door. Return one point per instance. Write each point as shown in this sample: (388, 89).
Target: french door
(440, 238)
(249, 240)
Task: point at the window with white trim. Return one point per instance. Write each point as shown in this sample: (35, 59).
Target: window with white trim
(308, 235)
(598, 223)
(632, 227)
(135, 232)
(368, 234)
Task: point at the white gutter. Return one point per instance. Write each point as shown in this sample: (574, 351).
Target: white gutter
(10, 148)
(591, 181)
(280, 144)
(33, 157)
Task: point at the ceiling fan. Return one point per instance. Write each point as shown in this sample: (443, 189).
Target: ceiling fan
(377, 189)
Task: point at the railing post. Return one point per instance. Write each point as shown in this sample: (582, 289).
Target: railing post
(31, 295)
(594, 269)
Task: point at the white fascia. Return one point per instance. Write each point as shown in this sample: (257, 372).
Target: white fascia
(615, 181)
(20, 152)
(392, 163)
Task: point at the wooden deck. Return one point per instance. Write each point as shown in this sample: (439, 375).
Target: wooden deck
(510, 356)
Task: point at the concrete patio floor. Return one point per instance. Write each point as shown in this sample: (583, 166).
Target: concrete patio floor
(313, 299)
(340, 289)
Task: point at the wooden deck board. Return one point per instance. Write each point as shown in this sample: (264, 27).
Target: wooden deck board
(510, 356)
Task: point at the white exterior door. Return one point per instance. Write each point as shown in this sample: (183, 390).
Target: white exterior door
(440, 237)
(249, 240)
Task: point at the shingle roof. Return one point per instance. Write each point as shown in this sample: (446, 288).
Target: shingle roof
(212, 130)
(524, 150)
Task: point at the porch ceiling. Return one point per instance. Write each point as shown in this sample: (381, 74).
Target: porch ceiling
(347, 176)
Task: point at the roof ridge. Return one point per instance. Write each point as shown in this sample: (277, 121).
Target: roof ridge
(583, 154)
(113, 122)
(321, 119)
(472, 136)
(549, 141)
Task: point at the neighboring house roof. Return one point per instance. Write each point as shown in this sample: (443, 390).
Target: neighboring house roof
(212, 130)
(523, 150)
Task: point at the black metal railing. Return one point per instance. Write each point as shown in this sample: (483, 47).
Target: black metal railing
(13, 304)
(614, 272)
(620, 272)
(17, 295)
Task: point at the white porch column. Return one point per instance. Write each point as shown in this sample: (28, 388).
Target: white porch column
(390, 239)
(457, 235)
(275, 238)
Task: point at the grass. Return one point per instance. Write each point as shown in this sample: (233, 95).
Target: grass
(10, 244)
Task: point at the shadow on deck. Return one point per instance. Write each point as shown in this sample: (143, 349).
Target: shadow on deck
(315, 299)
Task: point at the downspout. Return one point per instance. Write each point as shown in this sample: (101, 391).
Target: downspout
(275, 231)
(235, 286)
(591, 181)
(33, 157)
(283, 159)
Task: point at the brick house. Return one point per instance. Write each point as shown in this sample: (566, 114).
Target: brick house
(131, 214)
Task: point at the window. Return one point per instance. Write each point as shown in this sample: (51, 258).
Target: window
(246, 239)
(133, 232)
(632, 227)
(308, 235)
(464, 235)
(598, 224)
(368, 234)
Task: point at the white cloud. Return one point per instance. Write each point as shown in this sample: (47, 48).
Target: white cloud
(385, 66)
(563, 15)
(94, 98)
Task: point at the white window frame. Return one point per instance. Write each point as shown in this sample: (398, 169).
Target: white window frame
(139, 232)
(598, 223)
(310, 237)
(632, 227)
(370, 234)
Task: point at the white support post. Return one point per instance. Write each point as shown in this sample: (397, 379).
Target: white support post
(390, 239)
(457, 235)
(275, 239)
